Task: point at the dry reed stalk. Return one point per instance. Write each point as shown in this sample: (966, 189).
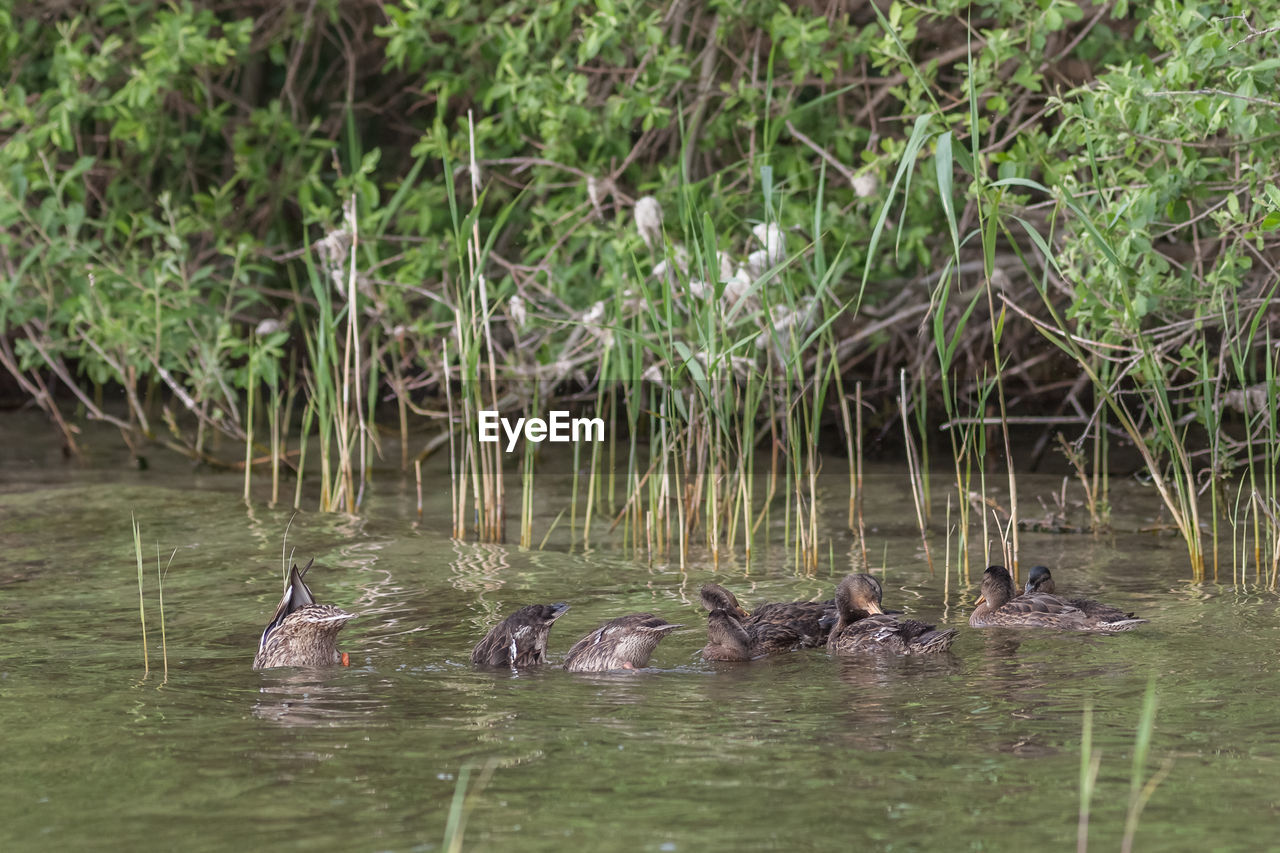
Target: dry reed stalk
(913, 468)
(494, 509)
(273, 417)
(142, 609)
(1006, 554)
(862, 526)
(573, 492)
(946, 558)
(417, 478)
(455, 496)
(813, 514)
(680, 516)
(248, 432)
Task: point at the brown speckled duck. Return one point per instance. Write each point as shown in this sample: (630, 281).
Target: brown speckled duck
(1041, 580)
(728, 639)
(812, 620)
(520, 640)
(622, 643)
(302, 633)
(999, 607)
(863, 626)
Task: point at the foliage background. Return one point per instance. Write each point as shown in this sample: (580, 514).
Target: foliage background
(168, 169)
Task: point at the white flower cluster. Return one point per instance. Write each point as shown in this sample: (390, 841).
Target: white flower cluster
(740, 279)
(742, 292)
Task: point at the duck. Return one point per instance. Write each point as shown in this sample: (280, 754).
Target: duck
(623, 643)
(811, 620)
(302, 632)
(863, 626)
(520, 640)
(1041, 580)
(728, 639)
(999, 607)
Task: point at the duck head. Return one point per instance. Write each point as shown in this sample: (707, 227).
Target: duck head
(997, 588)
(716, 597)
(857, 597)
(1039, 580)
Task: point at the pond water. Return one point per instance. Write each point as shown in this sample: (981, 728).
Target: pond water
(979, 749)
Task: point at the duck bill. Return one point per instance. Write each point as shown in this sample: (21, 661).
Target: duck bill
(981, 600)
(874, 609)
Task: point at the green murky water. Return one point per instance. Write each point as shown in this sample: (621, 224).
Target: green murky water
(976, 750)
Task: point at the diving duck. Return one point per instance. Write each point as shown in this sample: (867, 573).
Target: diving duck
(812, 620)
(520, 640)
(728, 639)
(302, 633)
(1040, 580)
(622, 643)
(863, 626)
(998, 607)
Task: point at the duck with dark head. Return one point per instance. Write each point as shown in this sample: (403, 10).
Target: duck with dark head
(302, 632)
(863, 626)
(999, 606)
(1041, 580)
(520, 640)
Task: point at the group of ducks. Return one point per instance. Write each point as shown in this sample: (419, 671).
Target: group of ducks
(304, 633)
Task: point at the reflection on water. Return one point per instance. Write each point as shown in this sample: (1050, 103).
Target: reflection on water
(685, 755)
(303, 697)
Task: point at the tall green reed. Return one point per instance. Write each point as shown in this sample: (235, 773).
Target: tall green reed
(142, 607)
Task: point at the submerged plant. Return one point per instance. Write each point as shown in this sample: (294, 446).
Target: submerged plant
(1141, 786)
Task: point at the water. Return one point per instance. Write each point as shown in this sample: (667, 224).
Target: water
(977, 750)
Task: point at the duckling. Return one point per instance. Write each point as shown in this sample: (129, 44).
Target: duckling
(622, 643)
(520, 640)
(728, 639)
(863, 626)
(812, 620)
(999, 608)
(302, 633)
(1040, 580)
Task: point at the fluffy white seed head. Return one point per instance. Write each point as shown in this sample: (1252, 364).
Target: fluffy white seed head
(648, 215)
(269, 326)
(773, 240)
(519, 315)
(864, 185)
